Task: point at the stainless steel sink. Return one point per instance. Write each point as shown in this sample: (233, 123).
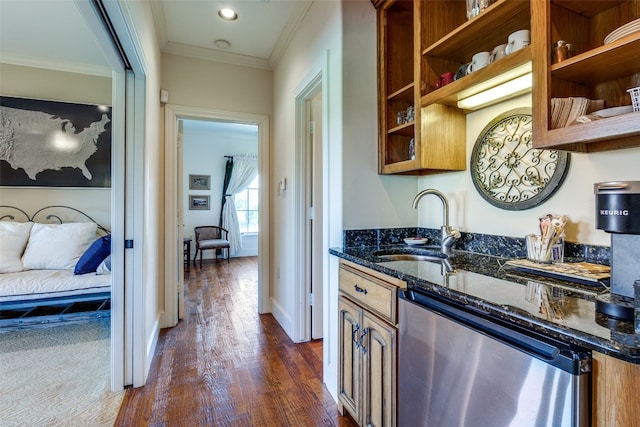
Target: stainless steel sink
(430, 255)
(427, 253)
(413, 257)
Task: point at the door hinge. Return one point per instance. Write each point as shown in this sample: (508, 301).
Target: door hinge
(311, 299)
(128, 244)
(310, 213)
(312, 127)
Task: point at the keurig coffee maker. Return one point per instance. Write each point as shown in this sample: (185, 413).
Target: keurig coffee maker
(618, 213)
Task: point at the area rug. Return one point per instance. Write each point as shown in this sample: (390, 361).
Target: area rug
(57, 376)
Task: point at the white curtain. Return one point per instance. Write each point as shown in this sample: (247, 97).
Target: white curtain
(245, 169)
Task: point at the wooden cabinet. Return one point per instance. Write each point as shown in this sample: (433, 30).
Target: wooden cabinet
(396, 88)
(597, 71)
(399, 87)
(615, 391)
(449, 40)
(443, 40)
(367, 345)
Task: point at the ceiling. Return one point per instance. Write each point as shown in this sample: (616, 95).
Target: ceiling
(49, 34)
(54, 33)
(258, 37)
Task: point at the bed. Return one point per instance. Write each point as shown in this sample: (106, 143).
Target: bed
(54, 266)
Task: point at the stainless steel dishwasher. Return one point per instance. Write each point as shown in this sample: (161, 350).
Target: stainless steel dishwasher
(459, 368)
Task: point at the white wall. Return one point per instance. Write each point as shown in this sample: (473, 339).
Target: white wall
(575, 198)
(27, 82)
(339, 40)
(370, 200)
(205, 84)
(203, 154)
(318, 37)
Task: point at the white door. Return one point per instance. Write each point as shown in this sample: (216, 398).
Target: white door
(128, 351)
(314, 176)
(309, 209)
(180, 217)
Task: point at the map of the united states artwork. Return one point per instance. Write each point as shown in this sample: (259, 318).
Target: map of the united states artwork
(54, 144)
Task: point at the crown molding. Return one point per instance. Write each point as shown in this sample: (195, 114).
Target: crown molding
(289, 30)
(160, 22)
(57, 65)
(216, 56)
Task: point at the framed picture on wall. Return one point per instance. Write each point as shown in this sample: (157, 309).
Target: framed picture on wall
(198, 202)
(54, 144)
(199, 182)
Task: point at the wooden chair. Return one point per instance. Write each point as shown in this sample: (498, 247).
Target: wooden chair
(210, 237)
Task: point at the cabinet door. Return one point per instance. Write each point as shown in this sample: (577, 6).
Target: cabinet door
(349, 356)
(379, 372)
(615, 391)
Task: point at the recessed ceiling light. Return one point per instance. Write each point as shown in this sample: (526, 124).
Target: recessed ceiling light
(228, 14)
(222, 44)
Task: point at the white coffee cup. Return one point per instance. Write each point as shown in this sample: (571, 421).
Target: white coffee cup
(517, 41)
(497, 53)
(478, 61)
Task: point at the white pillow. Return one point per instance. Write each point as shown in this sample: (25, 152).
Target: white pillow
(57, 246)
(13, 239)
(105, 266)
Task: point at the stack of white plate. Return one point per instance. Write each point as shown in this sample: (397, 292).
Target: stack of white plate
(625, 30)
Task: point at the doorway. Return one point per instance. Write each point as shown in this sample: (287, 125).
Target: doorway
(207, 147)
(61, 75)
(309, 202)
(174, 288)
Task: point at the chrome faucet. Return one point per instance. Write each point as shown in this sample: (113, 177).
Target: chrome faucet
(449, 235)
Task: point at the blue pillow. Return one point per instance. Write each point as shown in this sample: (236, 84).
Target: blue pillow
(94, 255)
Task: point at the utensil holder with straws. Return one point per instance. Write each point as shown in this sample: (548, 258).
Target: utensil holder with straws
(547, 247)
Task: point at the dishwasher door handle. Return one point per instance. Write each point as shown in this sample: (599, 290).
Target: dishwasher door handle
(528, 343)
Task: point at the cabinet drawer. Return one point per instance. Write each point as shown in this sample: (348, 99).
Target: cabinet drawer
(370, 292)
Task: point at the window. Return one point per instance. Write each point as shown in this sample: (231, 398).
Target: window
(247, 208)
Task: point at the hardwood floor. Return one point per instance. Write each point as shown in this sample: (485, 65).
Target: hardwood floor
(226, 365)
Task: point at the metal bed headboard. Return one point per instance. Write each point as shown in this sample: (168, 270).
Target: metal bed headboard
(48, 215)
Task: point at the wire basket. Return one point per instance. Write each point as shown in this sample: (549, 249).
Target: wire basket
(635, 97)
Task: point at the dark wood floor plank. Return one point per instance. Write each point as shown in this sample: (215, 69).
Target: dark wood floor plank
(226, 365)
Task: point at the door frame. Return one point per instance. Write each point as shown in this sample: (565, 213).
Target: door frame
(174, 290)
(315, 81)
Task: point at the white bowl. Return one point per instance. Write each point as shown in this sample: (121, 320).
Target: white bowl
(415, 241)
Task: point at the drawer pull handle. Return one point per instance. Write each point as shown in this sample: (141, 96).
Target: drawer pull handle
(359, 289)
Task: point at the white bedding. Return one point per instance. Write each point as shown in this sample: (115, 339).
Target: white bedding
(37, 284)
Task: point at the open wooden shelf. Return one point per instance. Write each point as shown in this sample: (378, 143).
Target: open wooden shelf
(490, 28)
(443, 39)
(490, 76)
(607, 62)
(606, 134)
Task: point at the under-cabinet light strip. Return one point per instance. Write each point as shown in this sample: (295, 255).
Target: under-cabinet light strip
(517, 86)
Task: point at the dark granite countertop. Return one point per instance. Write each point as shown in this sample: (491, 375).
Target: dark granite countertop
(556, 308)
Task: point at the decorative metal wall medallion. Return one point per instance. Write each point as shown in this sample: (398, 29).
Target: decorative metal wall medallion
(507, 171)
